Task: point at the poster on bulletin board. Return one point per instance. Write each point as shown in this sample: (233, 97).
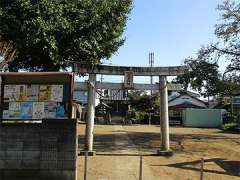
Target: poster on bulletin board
(34, 102)
(38, 110)
(45, 93)
(36, 96)
(32, 92)
(26, 110)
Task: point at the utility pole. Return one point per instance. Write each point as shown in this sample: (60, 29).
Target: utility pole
(101, 90)
(151, 64)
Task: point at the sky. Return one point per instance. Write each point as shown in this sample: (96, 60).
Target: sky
(172, 29)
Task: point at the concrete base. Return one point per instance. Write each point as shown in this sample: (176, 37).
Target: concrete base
(40, 151)
(165, 153)
(90, 153)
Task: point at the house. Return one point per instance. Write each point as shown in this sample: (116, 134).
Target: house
(102, 113)
(230, 103)
(115, 101)
(178, 101)
(118, 100)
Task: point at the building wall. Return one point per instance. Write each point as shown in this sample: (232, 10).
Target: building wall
(116, 95)
(202, 117)
(45, 150)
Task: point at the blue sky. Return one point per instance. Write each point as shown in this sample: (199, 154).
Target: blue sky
(172, 29)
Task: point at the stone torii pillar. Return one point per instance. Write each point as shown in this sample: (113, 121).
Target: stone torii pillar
(90, 114)
(164, 118)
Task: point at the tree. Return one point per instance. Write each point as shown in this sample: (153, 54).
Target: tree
(140, 101)
(229, 86)
(202, 76)
(227, 32)
(49, 35)
(7, 54)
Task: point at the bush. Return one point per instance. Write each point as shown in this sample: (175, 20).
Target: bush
(136, 115)
(229, 118)
(229, 126)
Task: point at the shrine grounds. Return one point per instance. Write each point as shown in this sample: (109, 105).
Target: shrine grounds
(118, 149)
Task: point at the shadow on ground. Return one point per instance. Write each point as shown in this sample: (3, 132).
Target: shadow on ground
(146, 142)
(230, 167)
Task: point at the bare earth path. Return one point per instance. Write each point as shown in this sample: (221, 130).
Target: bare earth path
(117, 148)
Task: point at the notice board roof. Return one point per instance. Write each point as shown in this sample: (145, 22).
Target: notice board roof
(36, 77)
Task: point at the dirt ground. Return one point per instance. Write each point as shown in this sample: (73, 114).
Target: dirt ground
(118, 148)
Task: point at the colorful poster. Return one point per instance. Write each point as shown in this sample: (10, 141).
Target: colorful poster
(21, 92)
(57, 93)
(38, 110)
(60, 111)
(32, 92)
(26, 110)
(5, 114)
(10, 93)
(14, 110)
(45, 93)
(50, 110)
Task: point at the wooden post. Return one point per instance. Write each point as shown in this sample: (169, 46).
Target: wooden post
(1, 97)
(202, 162)
(85, 165)
(141, 169)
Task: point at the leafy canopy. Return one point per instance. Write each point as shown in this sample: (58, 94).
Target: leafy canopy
(202, 76)
(50, 34)
(227, 32)
(141, 101)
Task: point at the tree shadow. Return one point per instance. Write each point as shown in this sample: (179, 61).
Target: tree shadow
(237, 131)
(145, 141)
(230, 167)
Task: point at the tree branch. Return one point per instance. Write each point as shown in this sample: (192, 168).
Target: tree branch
(225, 51)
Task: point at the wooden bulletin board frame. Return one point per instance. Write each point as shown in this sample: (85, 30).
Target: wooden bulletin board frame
(39, 78)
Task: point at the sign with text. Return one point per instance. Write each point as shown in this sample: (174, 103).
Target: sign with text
(128, 80)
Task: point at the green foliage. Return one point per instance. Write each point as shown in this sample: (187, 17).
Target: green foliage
(202, 76)
(140, 101)
(49, 34)
(137, 115)
(227, 48)
(229, 126)
(227, 32)
(228, 87)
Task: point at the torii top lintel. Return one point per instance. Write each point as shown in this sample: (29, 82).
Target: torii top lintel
(138, 71)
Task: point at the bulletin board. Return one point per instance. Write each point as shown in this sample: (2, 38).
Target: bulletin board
(36, 96)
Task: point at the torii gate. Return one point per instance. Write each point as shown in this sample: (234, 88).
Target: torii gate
(128, 73)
